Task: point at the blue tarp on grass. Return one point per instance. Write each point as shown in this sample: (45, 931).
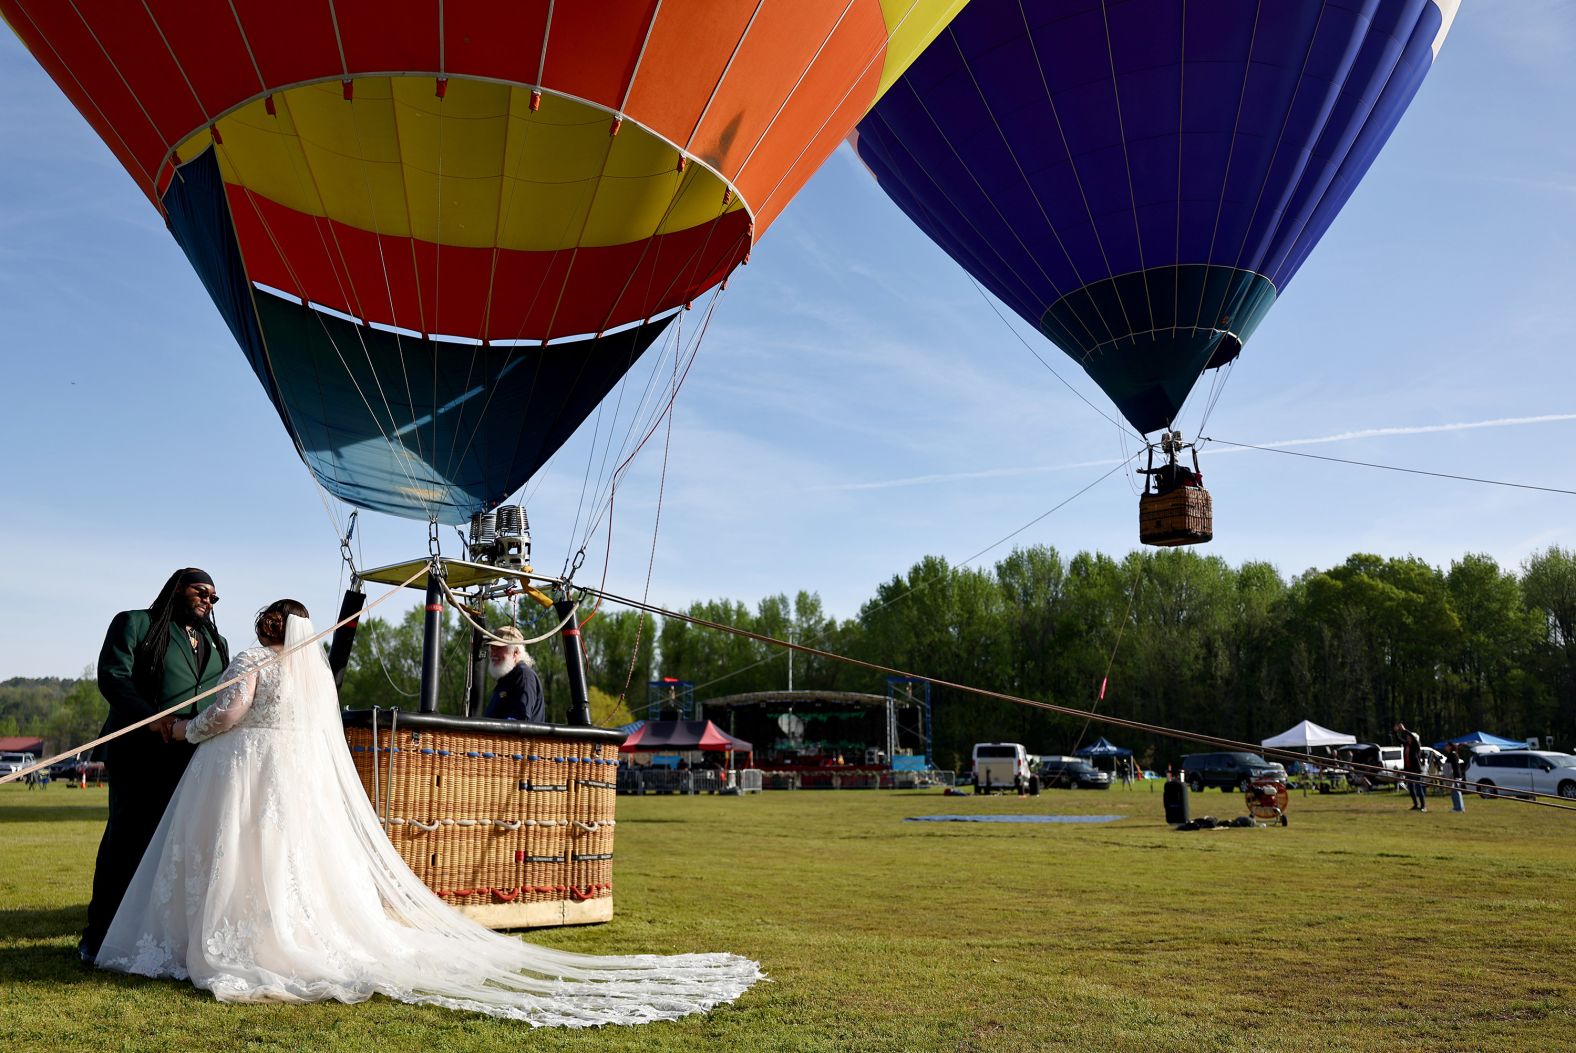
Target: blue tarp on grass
(1012, 818)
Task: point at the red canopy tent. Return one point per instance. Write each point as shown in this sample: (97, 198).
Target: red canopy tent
(674, 735)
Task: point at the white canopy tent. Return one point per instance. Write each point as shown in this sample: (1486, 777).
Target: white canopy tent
(1307, 735)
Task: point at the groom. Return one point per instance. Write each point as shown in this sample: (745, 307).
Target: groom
(151, 660)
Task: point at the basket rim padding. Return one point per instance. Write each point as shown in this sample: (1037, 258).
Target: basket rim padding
(362, 718)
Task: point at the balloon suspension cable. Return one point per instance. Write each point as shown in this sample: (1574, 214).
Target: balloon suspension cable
(184, 703)
(1393, 468)
(345, 551)
(1546, 800)
(926, 583)
(1170, 446)
(474, 624)
(663, 413)
(651, 562)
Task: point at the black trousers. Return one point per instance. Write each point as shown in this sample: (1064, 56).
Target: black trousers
(143, 773)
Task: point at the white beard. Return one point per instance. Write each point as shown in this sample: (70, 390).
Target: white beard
(499, 670)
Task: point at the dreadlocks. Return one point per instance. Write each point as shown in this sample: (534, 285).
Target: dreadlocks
(147, 669)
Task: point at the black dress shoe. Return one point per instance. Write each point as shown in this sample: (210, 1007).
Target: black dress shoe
(86, 955)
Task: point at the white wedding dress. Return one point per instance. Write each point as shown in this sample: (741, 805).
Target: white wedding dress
(270, 880)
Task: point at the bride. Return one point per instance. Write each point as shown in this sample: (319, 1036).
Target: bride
(270, 880)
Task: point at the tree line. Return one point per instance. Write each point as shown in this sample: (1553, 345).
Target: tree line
(1180, 639)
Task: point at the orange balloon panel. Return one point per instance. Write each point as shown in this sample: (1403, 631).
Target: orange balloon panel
(520, 170)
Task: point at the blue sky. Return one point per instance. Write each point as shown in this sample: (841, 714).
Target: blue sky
(856, 403)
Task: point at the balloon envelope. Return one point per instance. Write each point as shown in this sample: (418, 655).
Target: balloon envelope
(427, 222)
(1141, 179)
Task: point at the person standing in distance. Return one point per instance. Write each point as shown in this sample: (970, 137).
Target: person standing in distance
(517, 695)
(1412, 764)
(151, 659)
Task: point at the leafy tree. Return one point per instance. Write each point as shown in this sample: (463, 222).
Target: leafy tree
(1179, 638)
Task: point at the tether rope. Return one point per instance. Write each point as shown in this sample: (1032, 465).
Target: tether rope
(931, 581)
(1395, 468)
(1528, 796)
(145, 721)
(1110, 662)
(499, 640)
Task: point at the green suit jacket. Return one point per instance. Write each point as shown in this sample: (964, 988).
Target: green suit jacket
(129, 703)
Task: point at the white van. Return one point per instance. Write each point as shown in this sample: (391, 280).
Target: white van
(15, 762)
(1002, 766)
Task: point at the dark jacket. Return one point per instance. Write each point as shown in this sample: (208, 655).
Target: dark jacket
(130, 702)
(1411, 752)
(517, 696)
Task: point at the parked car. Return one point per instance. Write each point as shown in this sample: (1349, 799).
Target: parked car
(1229, 771)
(1074, 773)
(1003, 766)
(1538, 771)
(1368, 755)
(11, 763)
(72, 770)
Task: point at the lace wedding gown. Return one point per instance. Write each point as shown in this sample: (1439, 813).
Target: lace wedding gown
(270, 880)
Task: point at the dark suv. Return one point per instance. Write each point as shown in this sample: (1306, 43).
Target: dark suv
(1229, 771)
(1075, 775)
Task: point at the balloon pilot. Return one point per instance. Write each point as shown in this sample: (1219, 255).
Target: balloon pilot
(1171, 475)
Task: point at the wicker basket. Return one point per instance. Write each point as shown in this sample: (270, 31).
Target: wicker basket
(1185, 516)
(511, 823)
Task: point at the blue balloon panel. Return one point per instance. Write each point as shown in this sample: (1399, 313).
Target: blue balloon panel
(1140, 179)
(390, 421)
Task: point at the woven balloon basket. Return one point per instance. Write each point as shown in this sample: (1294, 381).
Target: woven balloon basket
(511, 823)
(1185, 516)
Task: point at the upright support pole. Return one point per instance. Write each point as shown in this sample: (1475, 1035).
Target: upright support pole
(432, 639)
(574, 663)
(478, 678)
(345, 635)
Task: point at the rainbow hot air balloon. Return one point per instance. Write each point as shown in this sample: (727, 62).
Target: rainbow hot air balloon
(442, 231)
(1140, 179)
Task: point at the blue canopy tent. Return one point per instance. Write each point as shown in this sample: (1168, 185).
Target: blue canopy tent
(1102, 748)
(1483, 738)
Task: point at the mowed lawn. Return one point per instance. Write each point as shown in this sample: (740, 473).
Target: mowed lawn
(1361, 926)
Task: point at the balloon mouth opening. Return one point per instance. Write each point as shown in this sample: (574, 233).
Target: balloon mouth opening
(1226, 351)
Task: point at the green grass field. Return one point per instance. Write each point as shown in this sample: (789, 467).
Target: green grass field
(1361, 926)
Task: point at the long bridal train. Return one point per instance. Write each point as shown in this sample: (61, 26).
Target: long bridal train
(270, 880)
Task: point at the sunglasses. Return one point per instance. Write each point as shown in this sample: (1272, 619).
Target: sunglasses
(201, 593)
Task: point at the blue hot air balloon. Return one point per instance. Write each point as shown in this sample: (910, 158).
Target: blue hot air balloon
(1140, 179)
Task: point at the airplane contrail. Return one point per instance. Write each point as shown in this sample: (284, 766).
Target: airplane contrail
(1345, 436)
(1422, 429)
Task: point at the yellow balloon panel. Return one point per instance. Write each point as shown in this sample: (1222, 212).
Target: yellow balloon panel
(911, 26)
(476, 168)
